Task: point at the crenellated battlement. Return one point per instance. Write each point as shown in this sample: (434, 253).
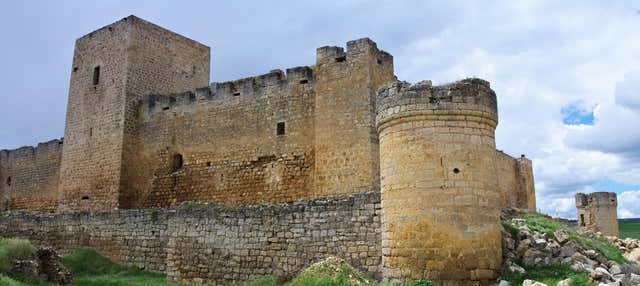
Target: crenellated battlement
(29, 152)
(357, 50)
(245, 89)
(470, 97)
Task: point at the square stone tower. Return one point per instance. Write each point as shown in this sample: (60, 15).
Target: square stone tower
(598, 212)
(113, 68)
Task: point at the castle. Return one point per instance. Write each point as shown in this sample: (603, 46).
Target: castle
(598, 212)
(412, 169)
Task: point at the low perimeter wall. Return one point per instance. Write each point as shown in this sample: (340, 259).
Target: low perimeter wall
(217, 243)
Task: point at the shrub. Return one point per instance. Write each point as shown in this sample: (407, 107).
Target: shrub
(12, 249)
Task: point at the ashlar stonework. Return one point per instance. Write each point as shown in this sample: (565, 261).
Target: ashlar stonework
(408, 175)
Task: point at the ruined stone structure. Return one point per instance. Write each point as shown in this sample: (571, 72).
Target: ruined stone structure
(402, 180)
(598, 212)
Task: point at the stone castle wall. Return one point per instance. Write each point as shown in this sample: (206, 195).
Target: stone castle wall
(598, 212)
(29, 177)
(222, 144)
(515, 181)
(217, 243)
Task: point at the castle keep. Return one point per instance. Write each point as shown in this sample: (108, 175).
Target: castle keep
(402, 180)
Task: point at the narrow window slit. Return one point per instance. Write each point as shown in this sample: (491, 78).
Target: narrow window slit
(280, 128)
(96, 75)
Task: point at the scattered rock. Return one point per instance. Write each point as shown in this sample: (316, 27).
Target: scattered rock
(565, 282)
(561, 236)
(532, 283)
(504, 283)
(51, 267)
(24, 268)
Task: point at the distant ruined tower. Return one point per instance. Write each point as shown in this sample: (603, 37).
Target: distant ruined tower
(439, 187)
(598, 212)
(113, 68)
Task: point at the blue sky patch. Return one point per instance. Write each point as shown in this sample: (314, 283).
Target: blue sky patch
(577, 114)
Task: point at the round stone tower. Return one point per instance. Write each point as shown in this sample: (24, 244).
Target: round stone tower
(439, 189)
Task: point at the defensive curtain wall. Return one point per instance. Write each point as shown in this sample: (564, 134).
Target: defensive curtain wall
(337, 158)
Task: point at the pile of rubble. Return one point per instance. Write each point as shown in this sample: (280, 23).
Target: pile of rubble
(536, 249)
(47, 265)
(628, 246)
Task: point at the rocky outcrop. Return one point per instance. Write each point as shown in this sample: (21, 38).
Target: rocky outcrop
(523, 246)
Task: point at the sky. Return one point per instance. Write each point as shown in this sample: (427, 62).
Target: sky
(566, 73)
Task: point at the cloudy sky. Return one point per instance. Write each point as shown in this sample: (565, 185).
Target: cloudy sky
(567, 73)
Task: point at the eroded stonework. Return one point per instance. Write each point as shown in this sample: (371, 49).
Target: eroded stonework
(598, 212)
(144, 129)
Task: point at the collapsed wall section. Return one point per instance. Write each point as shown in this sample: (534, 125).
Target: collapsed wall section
(29, 177)
(598, 212)
(217, 243)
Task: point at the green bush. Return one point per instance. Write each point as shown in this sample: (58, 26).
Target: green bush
(12, 249)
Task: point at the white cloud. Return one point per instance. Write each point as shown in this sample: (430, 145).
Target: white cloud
(628, 203)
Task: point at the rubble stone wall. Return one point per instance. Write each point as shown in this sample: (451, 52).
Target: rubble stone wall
(218, 243)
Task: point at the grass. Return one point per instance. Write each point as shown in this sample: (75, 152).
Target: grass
(14, 249)
(90, 268)
(549, 275)
(629, 228)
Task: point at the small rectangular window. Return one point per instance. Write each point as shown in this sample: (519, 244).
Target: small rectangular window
(280, 128)
(96, 75)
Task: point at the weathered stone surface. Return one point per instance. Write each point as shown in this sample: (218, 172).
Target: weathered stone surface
(219, 243)
(598, 212)
(51, 267)
(529, 282)
(24, 268)
(561, 236)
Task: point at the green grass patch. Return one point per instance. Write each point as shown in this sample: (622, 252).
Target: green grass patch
(90, 268)
(267, 280)
(14, 249)
(85, 262)
(629, 228)
(6, 281)
(549, 275)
